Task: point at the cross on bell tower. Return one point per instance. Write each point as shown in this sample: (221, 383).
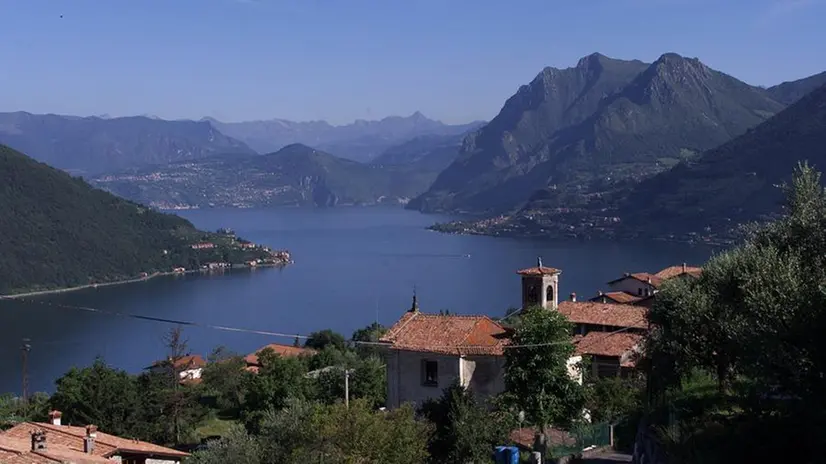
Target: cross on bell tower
(540, 286)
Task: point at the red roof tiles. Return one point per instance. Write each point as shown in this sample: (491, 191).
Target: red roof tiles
(645, 277)
(279, 349)
(447, 334)
(675, 271)
(606, 343)
(617, 297)
(538, 271)
(610, 314)
(71, 438)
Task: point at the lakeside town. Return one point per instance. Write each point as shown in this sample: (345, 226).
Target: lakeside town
(420, 356)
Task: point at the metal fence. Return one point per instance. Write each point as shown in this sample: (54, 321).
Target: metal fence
(581, 437)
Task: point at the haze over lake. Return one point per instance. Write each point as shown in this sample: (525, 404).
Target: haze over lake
(352, 266)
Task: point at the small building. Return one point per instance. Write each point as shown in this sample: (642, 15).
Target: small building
(253, 364)
(680, 271)
(640, 284)
(203, 246)
(52, 442)
(188, 367)
(609, 333)
(426, 353)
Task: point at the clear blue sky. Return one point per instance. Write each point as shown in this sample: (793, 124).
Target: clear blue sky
(454, 60)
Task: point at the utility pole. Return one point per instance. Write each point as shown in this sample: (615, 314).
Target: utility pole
(25, 348)
(347, 388)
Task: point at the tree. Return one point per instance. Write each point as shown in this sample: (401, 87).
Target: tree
(463, 430)
(370, 334)
(278, 379)
(237, 446)
(223, 377)
(611, 399)
(536, 374)
(14, 410)
(367, 381)
(98, 395)
(323, 338)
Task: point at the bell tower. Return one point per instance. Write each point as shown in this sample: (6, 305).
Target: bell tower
(540, 286)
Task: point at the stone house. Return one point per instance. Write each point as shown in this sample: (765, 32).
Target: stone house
(426, 353)
(37, 442)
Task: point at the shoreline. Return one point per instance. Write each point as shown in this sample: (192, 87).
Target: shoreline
(14, 296)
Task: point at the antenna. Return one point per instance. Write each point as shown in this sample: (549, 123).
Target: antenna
(25, 348)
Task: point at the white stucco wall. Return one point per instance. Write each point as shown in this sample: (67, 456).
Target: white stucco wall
(484, 375)
(404, 376)
(191, 373)
(632, 286)
(574, 369)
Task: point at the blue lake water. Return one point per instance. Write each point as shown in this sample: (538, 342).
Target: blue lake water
(352, 266)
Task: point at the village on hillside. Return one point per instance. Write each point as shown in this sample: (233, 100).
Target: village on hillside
(422, 355)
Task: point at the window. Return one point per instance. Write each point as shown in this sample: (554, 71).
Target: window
(639, 292)
(430, 373)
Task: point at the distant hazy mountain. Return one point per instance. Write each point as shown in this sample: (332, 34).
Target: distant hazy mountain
(737, 181)
(296, 175)
(587, 130)
(360, 141)
(94, 144)
(790, 92)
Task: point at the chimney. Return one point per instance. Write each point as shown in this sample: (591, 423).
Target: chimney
(38, 440)
(627, 274)
(89, 439)
(573, 297)
(683, 267)
(649, 280)
(54, 417)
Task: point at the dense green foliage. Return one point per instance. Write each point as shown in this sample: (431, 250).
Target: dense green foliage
(464, 429)
(594, 128)
(296, 175)
(91, 145)
(60, 232)
(737, 181)
(304, 432)
(754, 322)
(536, 374)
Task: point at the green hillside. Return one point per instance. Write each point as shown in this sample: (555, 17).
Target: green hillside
(60, 232)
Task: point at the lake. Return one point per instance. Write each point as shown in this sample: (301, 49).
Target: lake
(352, 266)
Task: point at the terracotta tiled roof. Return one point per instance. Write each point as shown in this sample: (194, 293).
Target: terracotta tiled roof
(106, 445)
(610, 314)
(606, 343)
(279, 349)
(655, 281)
(617, 297)
(185, 362)
(538, 271)
(674, 271)
(447, 334)
(525, 437)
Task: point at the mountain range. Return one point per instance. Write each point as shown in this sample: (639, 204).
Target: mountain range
(296, 175)
(735, 182)
(361, 141)
(60, 232)
(581, 132)
(88, 145)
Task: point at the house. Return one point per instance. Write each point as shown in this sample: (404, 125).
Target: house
(52, 442)
(203, 246)
(426, 353)
(609, 333)
(679, 271)
(641, 284)
(287, 351)
(188, 367)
